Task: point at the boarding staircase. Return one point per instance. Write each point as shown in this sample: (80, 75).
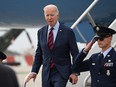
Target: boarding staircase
(95, 48)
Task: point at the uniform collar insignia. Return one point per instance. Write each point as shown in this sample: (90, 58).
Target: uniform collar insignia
(108, 55)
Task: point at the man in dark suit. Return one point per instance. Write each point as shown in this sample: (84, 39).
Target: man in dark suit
(55, 43)
(102, 65)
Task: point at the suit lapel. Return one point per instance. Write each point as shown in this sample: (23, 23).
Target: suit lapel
(58, 36)
(46, 30)
(108, 56)
(45, 37)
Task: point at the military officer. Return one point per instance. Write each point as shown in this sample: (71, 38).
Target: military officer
(102, 68)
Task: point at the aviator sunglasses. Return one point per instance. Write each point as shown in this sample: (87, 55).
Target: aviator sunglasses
(101, 38)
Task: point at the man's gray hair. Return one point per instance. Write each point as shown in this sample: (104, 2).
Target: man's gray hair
(51, 5)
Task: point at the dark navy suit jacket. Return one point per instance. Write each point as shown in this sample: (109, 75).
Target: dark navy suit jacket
(64, 44)
(102, 75)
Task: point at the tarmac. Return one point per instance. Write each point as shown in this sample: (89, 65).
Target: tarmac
(23, 71)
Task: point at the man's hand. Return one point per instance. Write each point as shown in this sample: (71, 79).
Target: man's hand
(30, 76)
(73, 78)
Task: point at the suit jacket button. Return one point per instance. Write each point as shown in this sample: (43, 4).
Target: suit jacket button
(98, 73)
(97, 80)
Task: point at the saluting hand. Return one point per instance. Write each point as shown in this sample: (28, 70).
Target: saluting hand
(89, 45)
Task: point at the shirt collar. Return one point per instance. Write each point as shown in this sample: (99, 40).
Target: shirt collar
(106, 52)
(55, 27)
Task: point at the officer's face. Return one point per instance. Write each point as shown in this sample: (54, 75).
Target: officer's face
(105, 43)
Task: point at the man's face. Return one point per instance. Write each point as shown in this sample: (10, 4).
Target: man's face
(51, 16)
(105, 42)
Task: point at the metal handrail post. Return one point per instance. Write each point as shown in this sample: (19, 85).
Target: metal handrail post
(91, 19)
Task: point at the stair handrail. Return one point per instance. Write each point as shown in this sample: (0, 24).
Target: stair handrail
(84, 14)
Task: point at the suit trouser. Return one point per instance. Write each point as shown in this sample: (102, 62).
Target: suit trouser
(55, 80)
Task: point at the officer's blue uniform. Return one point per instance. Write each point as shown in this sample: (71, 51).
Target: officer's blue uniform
(102, 74)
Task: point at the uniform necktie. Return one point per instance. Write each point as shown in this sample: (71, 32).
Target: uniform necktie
(50, 45)
(101, 56)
